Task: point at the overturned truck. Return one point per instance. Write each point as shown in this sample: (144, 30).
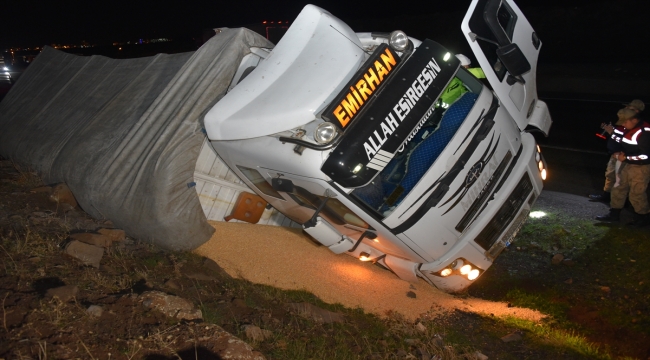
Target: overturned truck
(347, 135)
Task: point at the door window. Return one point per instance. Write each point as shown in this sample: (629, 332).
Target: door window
(258, 180)
(507, 19)
(334, 211)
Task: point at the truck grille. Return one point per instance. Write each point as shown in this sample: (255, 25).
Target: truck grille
(506, 213)
(486, 192)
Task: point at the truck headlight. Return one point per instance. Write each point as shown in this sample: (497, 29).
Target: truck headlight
(325, 132)
(473, 274)
(398, 40)
(540, 163)
(466, 269)
(460, 267)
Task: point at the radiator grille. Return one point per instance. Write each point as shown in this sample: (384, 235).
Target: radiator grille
(506, 214)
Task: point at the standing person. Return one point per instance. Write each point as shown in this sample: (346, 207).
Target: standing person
(637, 106)
(634, 176)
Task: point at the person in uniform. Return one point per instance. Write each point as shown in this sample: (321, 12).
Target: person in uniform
(635, 172)
(614, 132)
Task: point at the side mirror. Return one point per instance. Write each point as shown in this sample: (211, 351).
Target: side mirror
(284, 185)
(513, 59)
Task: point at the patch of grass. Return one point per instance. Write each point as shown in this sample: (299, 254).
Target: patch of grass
(561, 231)
(28, 177)
(560, 340)
(210, 314)
(541, 301)
(601, 290)
(153, 259)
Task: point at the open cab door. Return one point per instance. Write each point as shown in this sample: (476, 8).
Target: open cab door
(507, 48)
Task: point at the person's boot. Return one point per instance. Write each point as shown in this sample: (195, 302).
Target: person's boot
(612, 216)
(640, 220)
(604, 197)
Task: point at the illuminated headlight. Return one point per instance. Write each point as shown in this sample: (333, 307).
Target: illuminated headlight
(5, 68)
(466, 269)
(398, 40)
(461, 267)
(540, 165)
(325, 132)
(473, 274)
(543, 173)
(364, 256)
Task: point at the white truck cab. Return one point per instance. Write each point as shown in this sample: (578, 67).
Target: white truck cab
(345, 134)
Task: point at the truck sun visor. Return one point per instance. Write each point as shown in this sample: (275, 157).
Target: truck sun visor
(390, 117)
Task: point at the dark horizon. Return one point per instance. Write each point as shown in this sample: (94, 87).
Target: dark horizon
(30, 23)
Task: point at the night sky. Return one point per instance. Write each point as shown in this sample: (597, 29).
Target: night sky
(583, 23)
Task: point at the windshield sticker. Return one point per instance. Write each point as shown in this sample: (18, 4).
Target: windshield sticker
(408, 101)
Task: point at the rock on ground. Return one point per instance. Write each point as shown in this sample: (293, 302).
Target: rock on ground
(170, 305)
(87, 254)
(62, 194)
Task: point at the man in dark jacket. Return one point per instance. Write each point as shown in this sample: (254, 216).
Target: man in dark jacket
(635, 174)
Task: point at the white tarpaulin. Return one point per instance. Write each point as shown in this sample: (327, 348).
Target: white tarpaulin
(124, 134)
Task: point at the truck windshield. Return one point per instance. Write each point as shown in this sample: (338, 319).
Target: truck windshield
(414, 158)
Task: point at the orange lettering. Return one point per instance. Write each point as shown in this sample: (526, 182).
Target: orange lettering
(371, 79)
(350, 105)
(341, 115)
(388, 59)
(381, 70)
(356, 95)
(363, 89)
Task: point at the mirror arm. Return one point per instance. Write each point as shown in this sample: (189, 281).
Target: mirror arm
(475, 37)
(314, 219)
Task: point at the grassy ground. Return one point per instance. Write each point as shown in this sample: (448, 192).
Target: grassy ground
(596, 299)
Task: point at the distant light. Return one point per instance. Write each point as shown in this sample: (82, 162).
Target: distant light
(5, 68)
(537, 214)
(446, 57)
(264, 22)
